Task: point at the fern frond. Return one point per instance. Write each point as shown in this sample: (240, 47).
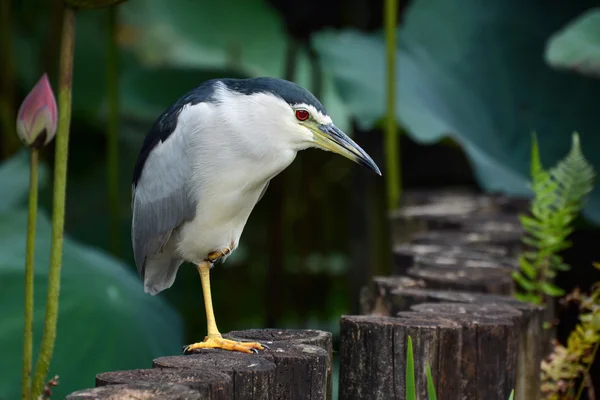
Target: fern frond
(559, 197)
(536, 163)
(574, 177)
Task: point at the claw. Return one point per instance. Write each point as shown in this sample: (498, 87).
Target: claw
(225, 344)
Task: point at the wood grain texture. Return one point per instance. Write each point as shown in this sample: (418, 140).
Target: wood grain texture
(272, 337)
(471, 348)
(210, 384)
(253, 377)
(137, 391)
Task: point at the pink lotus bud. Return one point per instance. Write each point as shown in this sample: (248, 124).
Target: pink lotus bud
(36, 121)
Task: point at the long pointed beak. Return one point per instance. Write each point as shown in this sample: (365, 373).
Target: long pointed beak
(331, 138)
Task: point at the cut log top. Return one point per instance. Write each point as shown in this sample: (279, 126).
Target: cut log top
(138, 391)
(468, 259)
(416, 255)
(510, 241)
(490, 280)
(474, 313)
(416, 249)
(269, 336)
(217, 360)
(296, 366)
(390, 295)
(274, 338)
(211, 384)
(482, 201)
(430, 296)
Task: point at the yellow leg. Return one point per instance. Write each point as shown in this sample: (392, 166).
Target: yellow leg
(204, 270)
(214, 340)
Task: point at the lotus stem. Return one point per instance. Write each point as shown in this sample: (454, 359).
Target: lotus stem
(58, 206)
(113, 126)
(29, 275)
(392, 159)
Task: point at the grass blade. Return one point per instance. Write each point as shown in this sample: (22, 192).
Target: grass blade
(411, 393)
(430, 387)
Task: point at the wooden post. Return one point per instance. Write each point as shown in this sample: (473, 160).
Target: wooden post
(530, 354)
(407, 255)
(301, 372)
(440, 210)
(210, 384)
(273, 337)
(479, 280)
(140, 390)
(454, 255)
(389, 296)
(373, 355)
(511, 241)
(295, 365)
(252, 377)
(470, 348)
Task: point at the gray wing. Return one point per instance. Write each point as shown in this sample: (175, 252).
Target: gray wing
(160, 200)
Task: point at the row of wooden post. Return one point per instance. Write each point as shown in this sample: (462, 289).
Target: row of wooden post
(296, 365)
(450, 291)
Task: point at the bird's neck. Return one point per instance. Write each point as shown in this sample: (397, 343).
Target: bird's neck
(239, 159)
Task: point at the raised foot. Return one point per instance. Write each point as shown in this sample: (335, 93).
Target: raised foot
(225, 344)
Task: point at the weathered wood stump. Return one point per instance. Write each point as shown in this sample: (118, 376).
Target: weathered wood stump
(377, 298)
(276, 338)
(530, 331)
(210, 384)
(471, 349)
(478, 280)
(373, 355)
(408, 255)
(426, 211)
(456, 268)
(297, 364)
(389, 296)
(140, 390)
(301, 373)
(510, 241)
(252, 377)
(454, 255)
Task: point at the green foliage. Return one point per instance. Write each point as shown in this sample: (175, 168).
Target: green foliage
(576, 46)
(251, 41)
(106, 321)
(441, 92)
(430, 387)
(565, 366)
(411, 393)
(164, 50)
(559, 196)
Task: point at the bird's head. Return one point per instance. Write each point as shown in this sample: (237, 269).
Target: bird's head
(293, 115)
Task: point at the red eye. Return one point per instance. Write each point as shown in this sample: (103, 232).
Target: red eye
(302, 115)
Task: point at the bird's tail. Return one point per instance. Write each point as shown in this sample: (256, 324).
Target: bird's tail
(160, 272)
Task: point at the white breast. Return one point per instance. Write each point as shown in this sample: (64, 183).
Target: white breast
(231, 166)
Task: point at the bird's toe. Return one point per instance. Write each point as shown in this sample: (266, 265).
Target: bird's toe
(224, 344)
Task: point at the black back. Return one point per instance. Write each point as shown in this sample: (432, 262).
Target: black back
(166, 123)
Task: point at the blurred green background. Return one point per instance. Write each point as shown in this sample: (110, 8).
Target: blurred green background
(474, 79)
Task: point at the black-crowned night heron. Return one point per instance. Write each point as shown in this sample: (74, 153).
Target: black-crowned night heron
(204, 165)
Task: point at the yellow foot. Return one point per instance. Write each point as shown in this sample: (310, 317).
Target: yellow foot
(225, 344)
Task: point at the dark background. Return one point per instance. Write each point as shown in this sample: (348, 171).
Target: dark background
(472, 84)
